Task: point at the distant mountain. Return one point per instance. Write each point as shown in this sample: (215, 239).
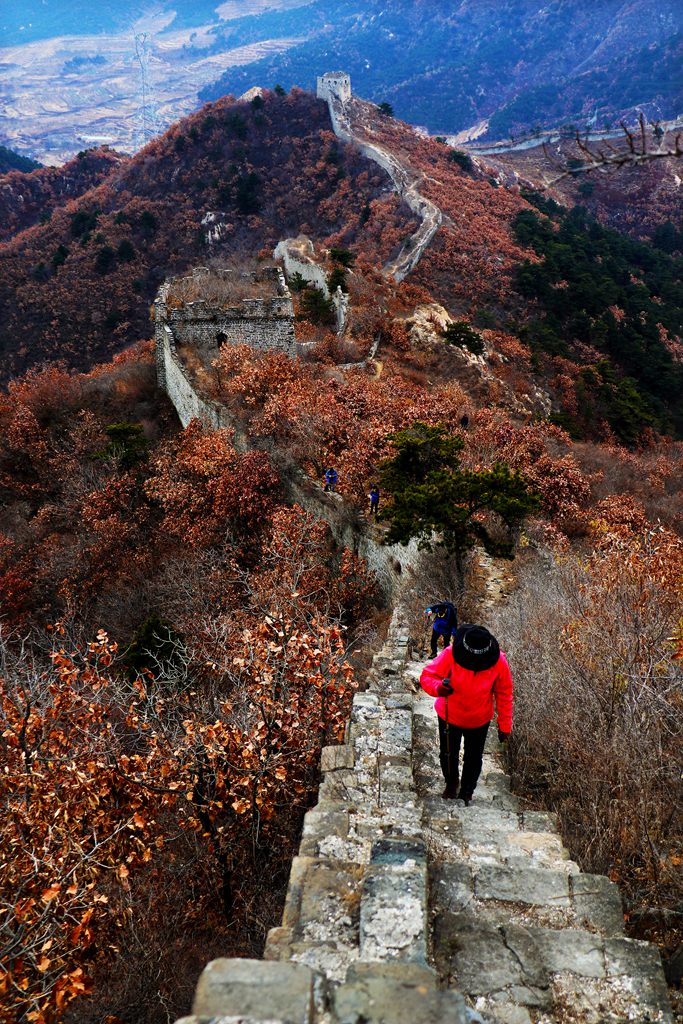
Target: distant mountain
(78, 285)
(11, 161)
(516, 64)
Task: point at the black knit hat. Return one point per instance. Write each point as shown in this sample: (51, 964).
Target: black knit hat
(475, 648)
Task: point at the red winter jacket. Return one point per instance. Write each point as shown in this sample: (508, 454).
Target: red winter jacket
(471, 703)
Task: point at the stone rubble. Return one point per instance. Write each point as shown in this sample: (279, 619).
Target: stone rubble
(404, 908)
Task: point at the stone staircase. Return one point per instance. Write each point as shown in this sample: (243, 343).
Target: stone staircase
(404, 908)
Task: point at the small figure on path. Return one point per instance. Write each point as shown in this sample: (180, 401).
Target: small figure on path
(374, 500)
(466, 679)
(445, 623)
(330, 479)
(464, 421)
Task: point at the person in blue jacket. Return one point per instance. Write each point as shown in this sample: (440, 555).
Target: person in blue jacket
(445, 623)
(330, 479)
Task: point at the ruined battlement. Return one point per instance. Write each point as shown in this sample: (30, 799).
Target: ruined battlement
(210, 308)
(334, 83)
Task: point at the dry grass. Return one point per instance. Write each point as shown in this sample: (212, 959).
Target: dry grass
(246, 281)
(598, 729)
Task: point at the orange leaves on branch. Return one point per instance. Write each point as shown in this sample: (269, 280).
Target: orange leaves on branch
(206, 488)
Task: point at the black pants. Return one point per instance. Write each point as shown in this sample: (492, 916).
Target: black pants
(449, 755)
(435, 637)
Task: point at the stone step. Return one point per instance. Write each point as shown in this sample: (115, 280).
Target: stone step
(484, 835)
(556, 975)
(396, 994)
(393, 907)
(527, 896)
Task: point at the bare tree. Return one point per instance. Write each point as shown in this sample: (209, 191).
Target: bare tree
(643, 146)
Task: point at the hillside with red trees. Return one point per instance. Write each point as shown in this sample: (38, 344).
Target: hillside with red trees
(78, 287)
(180, 636)
(27, 198)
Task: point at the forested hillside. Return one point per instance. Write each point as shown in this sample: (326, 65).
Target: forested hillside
(518, 64)
(181, 632)
(78, 286)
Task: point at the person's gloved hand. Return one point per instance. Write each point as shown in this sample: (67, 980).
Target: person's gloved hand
(444, 689)
(503, 736)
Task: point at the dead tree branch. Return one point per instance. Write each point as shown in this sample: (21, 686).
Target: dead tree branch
(642, 146)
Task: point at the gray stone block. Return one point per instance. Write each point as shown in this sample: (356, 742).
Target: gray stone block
(641, 963)
(522, 885)
(539, 821)
(297, 876)
(329, 903)
(333, 758)
(452, 887)
(395, 994)
(405, 973)
(597, 901)
(278, 944)
(398, 851)
(570, 950)
(396, 732)
(393, 912)
(508, 1014)
(481, 960)
(396, 778)
(403, 702)
(257, 989)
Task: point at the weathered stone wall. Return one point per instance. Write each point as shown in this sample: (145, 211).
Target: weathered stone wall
(389, 563)
(263, 322)
(406, 182)
(173, 378)
(298, 257)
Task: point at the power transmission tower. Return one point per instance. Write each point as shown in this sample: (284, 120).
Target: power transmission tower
(147, 121)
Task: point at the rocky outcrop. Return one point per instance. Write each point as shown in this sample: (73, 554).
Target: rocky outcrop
(404, 908)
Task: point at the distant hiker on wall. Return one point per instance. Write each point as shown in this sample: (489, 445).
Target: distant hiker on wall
(466, 679)
(374, 500)
(444, 625)
(330, 479)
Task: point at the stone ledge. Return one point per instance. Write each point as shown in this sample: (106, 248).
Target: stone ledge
(258, 989)
(334, 758)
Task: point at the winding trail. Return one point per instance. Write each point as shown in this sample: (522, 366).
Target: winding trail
(346, 117)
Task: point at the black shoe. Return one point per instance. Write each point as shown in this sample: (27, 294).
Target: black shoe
(466, 799)
(450, 792)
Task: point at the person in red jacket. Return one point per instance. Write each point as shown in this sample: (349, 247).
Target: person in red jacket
(466, 678)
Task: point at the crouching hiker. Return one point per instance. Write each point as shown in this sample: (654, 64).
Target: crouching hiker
(466, 678)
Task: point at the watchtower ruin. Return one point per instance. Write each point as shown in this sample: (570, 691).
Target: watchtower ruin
(334, 83)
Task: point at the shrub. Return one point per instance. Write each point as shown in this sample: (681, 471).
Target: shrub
(105, 260)
(461, 334)
(316, 307)
(337, 279)
(126, 251)
(463, 160)
(597, 721)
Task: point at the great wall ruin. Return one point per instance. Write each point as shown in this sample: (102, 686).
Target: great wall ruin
(402, 907)
(346, 115)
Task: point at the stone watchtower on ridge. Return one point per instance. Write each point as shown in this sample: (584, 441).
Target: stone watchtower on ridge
(334, 83)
